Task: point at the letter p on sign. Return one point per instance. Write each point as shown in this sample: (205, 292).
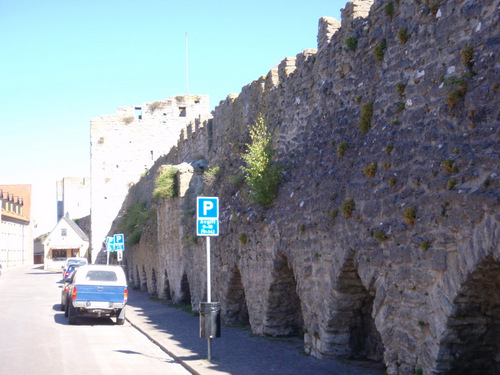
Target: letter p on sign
(208, 207)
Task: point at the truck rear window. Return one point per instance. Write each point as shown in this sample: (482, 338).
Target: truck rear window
(101, 276)
(78, 262)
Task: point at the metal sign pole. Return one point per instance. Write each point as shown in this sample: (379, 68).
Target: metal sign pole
(209, 289)
(209, 296)
(207, 219)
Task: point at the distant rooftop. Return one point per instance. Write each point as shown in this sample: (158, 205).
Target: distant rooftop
(16, 202)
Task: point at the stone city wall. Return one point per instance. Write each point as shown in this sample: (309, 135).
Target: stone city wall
(383, 240)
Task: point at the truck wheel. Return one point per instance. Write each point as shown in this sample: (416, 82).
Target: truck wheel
(71, 314)
(66, 310)
(63, 308)
(120, 318)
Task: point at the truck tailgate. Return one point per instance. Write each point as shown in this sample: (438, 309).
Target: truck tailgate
(100, 293)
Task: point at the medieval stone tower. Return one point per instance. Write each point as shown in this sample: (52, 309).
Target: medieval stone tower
(73, 197)
(125, 145)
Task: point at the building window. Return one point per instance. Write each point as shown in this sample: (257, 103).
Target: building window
(64, 232)
(58, 254)
(138, 113)
(182, 111)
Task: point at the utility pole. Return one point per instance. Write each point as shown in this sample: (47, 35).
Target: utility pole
(187, 66)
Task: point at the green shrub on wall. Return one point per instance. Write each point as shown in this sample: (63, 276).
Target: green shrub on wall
(347, 207)
(389, 9)
(166, 184)
(351, 43)
(342, 148)
(365, 121)
(133, 221)
(379, 51)
(211, 175)
(261, 175)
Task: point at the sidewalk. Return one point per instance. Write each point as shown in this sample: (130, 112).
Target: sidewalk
(236, 352)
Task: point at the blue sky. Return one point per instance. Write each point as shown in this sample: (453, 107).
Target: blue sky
(66, 62)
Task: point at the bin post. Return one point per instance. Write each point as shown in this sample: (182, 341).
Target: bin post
(210, 323)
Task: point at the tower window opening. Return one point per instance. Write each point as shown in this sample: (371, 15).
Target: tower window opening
(138, 113)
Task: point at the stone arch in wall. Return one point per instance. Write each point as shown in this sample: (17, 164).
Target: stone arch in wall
(283, 316)
(130, 275)
(144, 279)
(351, 329)
(137, 279)
(154, 284)
(234, 306)
(185, 297)
(167, 294)
(471, 342)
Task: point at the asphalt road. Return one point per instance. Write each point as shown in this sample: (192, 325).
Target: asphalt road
(35, 337)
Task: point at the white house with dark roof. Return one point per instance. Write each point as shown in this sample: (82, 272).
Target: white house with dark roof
(66, 240)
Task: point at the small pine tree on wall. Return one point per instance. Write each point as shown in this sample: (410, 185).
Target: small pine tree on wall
(261, 175)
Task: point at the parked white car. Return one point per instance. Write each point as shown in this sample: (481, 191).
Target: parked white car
(73, 260)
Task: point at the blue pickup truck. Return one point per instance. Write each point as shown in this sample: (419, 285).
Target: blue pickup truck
(96, 290)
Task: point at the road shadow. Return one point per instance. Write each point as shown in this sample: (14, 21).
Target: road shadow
(83, 320)
(237, 351)
(60, 318)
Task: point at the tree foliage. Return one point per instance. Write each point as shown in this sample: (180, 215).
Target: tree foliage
(261, 174)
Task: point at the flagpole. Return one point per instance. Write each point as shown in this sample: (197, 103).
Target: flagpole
(187, 66)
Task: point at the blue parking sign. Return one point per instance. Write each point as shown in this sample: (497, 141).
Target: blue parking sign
(207, 217)
(110, 243)
(119, 242)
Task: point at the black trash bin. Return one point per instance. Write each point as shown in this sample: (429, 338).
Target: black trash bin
(209, 320)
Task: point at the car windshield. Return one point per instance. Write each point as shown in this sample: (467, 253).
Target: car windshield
(101, 276)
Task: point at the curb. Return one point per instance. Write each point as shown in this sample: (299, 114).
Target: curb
(156, 342)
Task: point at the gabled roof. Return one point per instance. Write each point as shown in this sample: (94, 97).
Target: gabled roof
(75, 227)
(18, 194)
(54, 240)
